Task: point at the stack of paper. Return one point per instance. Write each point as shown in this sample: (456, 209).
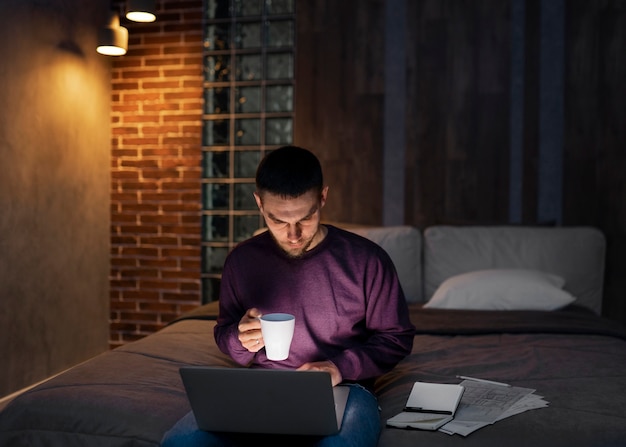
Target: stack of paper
(484, 403)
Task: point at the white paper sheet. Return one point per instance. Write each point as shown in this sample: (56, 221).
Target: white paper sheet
(485, 403)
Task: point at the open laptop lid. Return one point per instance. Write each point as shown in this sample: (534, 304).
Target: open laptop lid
(275, 401)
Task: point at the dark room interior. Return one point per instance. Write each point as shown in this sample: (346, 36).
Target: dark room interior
(426, 112)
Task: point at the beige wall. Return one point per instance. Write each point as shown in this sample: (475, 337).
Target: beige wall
(54, 188)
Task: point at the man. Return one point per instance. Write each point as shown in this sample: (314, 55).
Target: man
(351, 315)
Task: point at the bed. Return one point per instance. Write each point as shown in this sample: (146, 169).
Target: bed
(575, 360)
(569, 354)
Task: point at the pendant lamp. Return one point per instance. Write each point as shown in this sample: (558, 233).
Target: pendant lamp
(141, 10)
(113, 38)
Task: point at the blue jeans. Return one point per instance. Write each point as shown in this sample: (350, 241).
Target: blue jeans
(360, 428)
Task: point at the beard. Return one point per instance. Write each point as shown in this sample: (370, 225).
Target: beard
(291, 253)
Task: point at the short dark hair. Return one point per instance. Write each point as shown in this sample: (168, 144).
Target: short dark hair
(289, 171)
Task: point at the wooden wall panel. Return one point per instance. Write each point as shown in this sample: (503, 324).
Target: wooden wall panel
(530, 145)
(339, 101)
(457, 132)
(595, 135)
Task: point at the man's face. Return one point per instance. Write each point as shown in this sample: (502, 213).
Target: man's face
(293, 222)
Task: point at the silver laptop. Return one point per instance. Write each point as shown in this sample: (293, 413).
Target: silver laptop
(276, 401)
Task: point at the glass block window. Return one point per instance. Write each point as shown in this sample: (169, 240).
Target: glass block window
(249, 48)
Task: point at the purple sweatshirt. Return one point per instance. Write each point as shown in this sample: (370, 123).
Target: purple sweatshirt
(344, 293)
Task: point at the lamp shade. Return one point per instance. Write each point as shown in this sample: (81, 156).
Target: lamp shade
(113, 38)
(141, 10)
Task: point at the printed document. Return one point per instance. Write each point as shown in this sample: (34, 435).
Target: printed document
(485, 403)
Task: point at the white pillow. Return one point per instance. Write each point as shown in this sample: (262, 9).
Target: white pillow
(502, 289)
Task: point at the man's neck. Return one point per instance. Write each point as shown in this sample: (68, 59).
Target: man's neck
(321, 233)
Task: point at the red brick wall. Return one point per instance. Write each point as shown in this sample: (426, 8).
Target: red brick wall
(156, 172)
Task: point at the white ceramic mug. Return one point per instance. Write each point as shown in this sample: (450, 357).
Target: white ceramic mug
(277, 330)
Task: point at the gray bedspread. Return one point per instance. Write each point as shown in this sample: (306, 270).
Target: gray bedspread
(576, 360)
(132, 395)
(126, 397)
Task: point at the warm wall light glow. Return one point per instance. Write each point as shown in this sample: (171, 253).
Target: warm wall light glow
(141, 10)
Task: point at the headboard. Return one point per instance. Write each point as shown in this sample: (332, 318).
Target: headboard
(575, 253)
(404, 246)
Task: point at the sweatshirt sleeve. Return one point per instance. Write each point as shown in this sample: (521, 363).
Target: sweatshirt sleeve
(390, 331)
(226, 329)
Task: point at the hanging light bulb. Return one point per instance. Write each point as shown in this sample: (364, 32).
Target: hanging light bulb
(113, 38)
(141, 10)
